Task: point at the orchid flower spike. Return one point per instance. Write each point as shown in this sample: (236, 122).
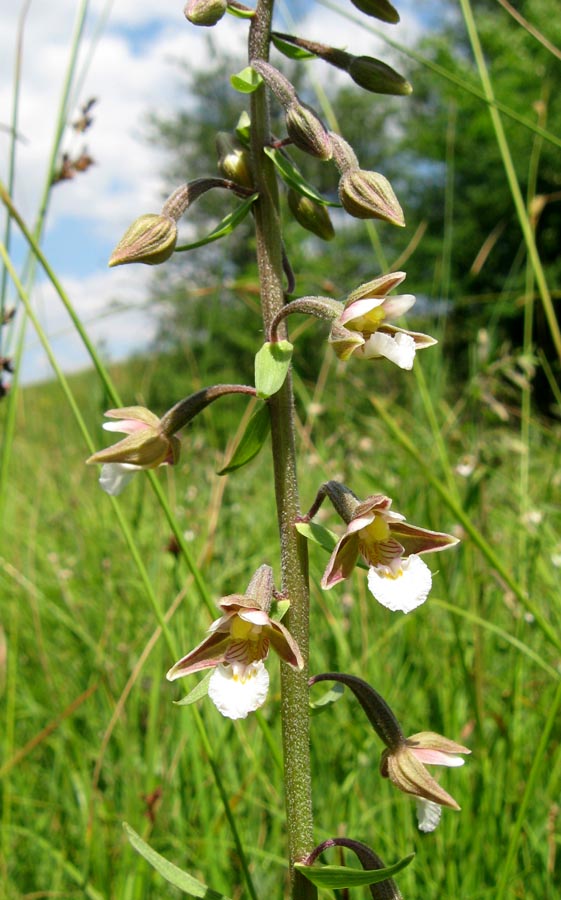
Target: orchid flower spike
(146, 446)
(363, 327)
(237, 645)
(398, 578)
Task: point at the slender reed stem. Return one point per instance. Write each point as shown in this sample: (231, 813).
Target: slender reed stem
(294, 560)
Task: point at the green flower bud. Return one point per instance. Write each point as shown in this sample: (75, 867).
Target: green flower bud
(369, 195)
(311, 215)
(375, 76)
(233, 159)
(306, 130)
(378, 9)
(205, 12)
(151, 239)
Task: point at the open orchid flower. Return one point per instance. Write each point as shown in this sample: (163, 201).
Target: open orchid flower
(237, 645)
(363, 327)
(146, 446)
(398, 578)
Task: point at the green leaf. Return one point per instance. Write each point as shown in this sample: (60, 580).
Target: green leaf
(293, 178)
(317, 534)
(323, 537)
(345, 877)
(271, 367)
(291, 50)
(247, 81)
(279, 609)
(240, 13)
(198, 692)
(327, 699)
(174, 875)
(227, 225)
(251, 441)
(243, 128)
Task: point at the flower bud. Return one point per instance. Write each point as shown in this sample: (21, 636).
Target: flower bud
(233, 159)
(151, 239)
(311, 215)
(369, 195)
(378, 9)
(375, 76)
(306, 130)
(205, 12)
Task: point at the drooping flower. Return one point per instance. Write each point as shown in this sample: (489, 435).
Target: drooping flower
(237, 645)
(403, 760)
(404, 765)
(146, 446)
(363, 327)
(398, 578)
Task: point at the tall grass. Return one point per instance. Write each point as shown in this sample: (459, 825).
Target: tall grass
(96, 598)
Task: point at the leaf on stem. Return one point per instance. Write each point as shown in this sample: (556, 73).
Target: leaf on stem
(172, 874)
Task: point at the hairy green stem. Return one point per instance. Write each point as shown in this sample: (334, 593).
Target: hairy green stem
(294, 559)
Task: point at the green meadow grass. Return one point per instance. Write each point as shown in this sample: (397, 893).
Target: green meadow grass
(88, 730)
(90, 735)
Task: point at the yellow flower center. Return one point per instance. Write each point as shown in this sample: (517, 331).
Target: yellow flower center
(368, 323)
(377, 531)
(240, 630)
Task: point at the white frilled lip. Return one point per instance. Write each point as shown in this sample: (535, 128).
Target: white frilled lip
(428, 815)
(403, 592)
(114, 477)
(398, 348)
(236, 695)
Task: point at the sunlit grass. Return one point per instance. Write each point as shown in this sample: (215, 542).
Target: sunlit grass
(89, 734)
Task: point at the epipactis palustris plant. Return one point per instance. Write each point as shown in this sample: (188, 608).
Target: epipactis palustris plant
(252, 163)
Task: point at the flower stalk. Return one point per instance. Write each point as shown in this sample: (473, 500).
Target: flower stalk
(294, 559)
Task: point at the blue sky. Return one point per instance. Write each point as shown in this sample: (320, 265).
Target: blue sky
(132, 69)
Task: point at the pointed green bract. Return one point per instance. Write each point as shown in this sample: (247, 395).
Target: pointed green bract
(247, 81)
(198, 692)
(345, 877)
(227, 225)
(331, 696)
(291, 50)
(293, 178)
(271, 367)
(252, 440)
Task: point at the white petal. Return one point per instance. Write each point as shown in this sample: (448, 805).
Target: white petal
(404, 590)
(236, 695)
(428, 815)
(114, 477)
(398, 348)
